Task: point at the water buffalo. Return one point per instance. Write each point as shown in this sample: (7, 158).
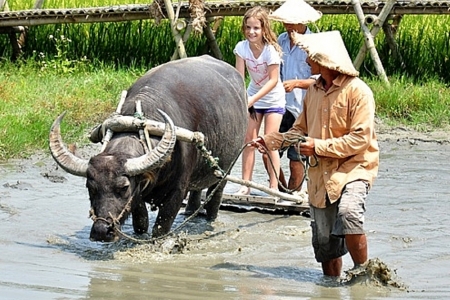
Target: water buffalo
(199, 94)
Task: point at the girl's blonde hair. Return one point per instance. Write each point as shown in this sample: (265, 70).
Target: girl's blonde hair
(268, 36)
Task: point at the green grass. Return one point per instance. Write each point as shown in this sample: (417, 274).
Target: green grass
(32, 96)
(420, 106)
(423, 41)
(82, 69)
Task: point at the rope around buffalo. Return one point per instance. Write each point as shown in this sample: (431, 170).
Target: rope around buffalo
(213, 162)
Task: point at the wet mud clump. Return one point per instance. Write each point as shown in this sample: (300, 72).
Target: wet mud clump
(145, 250)
(374, 272)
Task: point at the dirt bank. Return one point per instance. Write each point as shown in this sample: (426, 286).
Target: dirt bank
(386, 133)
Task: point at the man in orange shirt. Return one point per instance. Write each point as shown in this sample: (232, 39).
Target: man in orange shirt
(336, 129)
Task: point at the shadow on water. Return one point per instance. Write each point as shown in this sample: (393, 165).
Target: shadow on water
(284, 272)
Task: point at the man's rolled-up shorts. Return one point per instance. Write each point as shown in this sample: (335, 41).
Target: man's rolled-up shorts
(346, 216)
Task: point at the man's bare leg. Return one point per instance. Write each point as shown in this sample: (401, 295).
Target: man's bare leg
(297, 171)
(332, 267)
(357, 246)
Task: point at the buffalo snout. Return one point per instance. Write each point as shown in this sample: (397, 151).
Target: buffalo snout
(102, 231)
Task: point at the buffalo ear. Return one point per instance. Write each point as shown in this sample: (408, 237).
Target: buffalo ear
(252, 112)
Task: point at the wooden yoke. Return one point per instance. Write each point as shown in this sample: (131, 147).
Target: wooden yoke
(368, 40)
(16, 43)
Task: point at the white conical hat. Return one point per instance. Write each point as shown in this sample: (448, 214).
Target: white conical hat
(295, 12)
(328, 50)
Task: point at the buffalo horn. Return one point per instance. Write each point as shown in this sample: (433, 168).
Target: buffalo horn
(65, 159)
(157, 157)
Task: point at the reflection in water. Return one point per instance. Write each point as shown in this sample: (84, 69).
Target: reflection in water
(46, 252)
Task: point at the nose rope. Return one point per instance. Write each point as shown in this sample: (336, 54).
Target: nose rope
(213, 162)
(112, 222)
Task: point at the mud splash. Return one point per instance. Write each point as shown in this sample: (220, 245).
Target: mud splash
(376, 273)
(125, 249)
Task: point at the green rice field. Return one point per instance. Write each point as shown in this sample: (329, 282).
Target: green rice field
(75, 67)
(423, 41)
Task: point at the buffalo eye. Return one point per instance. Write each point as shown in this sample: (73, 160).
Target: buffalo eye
(123, 184)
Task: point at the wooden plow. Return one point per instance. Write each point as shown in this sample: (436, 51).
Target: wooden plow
(265, 199)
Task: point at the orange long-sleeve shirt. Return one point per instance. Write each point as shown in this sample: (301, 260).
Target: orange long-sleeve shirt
(341, 121)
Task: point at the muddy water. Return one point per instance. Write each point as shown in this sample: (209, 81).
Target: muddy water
(45, 252)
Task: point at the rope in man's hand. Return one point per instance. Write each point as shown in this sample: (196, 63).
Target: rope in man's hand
(303, 145)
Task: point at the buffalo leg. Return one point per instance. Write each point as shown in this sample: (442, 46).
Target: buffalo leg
(167, 213)
(140, 218)
(194, 202)
(213, 205)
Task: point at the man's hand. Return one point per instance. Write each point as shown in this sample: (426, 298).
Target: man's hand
(259, 144)
(289, 85)
(307, 148)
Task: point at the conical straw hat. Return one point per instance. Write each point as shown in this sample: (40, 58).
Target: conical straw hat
(295, 12)
(328, 50)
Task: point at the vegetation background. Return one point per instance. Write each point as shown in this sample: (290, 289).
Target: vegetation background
(82, 69)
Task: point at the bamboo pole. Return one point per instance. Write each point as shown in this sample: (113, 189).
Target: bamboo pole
(377, 25)
(38, 4)
(299, 199)
(133, 12)
(368, 39)
(211, 40)
(390, 31)
(4, 5)
(173, 26)
(109, 133)
(186, 35)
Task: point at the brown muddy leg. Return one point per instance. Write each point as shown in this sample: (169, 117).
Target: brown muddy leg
(194, 202)
(332, 267)
(357, 246)
(140, 218)
(213, 205)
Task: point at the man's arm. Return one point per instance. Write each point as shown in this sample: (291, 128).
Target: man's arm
(290, 85)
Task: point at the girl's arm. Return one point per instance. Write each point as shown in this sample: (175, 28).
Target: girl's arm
(240, 65)
(274, 71)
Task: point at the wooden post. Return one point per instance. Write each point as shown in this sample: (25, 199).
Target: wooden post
(211, 39)
(38, 4)
(377, 24)
(369, 41)
(17, 43)
(11, 31)
(186, 35)
(390, 31)
(173, 26)
(4, 5)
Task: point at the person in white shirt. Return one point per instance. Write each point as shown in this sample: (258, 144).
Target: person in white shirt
(260, 55)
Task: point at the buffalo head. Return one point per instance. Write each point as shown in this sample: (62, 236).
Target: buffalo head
(115, 177)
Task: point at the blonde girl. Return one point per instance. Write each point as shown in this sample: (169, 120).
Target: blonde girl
(260, 55)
